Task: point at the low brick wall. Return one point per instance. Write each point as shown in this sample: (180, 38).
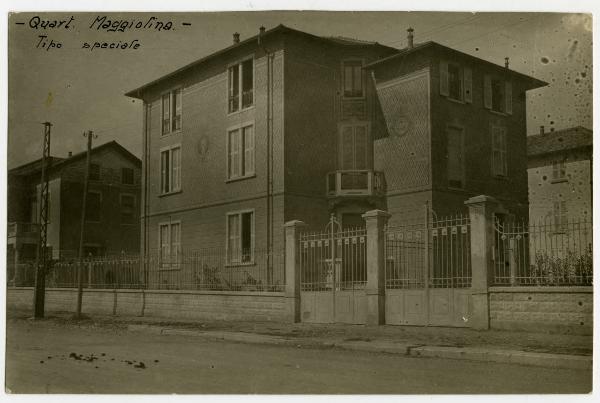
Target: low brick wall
(553, 309)
(211, 305)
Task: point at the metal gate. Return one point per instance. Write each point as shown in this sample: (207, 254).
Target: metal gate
(333, 268)
(428, 272)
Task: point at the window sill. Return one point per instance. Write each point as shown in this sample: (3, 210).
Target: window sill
(240, 264)
(456, 189)
(501, 177)
(169, 193)
(248, 108)
(499, 113)
(240, 178)
(456, 101)
(346, 98)
(560, 180)
(175, 267)
(165, 135)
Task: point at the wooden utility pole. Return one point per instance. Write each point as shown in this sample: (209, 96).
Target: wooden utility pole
(42, 258)
(89, 134)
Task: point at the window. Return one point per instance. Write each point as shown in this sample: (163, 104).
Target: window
(94, 172)
(559, 171)
(353, 79)
(456, 82)
(93, 206)
(455, 155)
(499, 163)
(354, 150)
(170, 170)
(170, 245)
(171, 111)
(240, 152)
(127, 176)
(240, 237)
(127, 209)
(497, 94)
(241, 81)
(561, 219)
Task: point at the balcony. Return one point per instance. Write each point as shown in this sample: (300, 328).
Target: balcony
(23, 232)
(353, 183)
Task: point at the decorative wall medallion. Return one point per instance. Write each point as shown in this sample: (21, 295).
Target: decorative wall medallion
(402, 126)
(203, 145)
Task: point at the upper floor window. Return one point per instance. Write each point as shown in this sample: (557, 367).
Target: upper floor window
(94, 172)
(353, 79)
(497, 94)
(559, 171)
(93, 206)
(127, 176)
(127, 209)
(499, 151)
(240, 152)
(455, 155)
(354, 147)
(171, 111)
(170, 170)
(241, 86)
(456, 82)
(240, 237)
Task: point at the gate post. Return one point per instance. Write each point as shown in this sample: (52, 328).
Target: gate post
(292, 269)
(375, 289)
(481, 214)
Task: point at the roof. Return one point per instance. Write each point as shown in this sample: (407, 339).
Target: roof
(280, 29)
(558, 141)
(535, 83)
(58, 163)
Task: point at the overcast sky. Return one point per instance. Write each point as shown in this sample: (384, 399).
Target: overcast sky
(79, 90)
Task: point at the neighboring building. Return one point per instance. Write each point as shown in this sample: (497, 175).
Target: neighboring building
(288, 125)
(560, 176)
(112, 223)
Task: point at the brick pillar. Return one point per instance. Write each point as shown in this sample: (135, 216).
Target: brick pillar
(292, 269)
(481, 214)
(375, 289)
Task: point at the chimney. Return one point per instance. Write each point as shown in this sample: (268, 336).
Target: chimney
(236, 37)
(542, 130)
(70, 154)
(506, 60)
(410, 38)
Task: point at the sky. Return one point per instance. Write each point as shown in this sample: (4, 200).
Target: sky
(78, 90)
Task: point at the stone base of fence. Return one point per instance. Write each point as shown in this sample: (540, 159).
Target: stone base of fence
(194, 305)
(542, 309)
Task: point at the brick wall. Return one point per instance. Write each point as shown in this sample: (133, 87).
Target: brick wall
(556, 309)
(169, 304)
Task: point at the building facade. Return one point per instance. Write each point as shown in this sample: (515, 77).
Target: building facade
(288, 125)
(113, 204)
(560, 176)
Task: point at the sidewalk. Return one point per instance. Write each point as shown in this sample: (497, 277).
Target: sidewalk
(539, 349)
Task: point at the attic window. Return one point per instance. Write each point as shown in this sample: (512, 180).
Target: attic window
(241, 81)
(497, 94)
(456, 82)
(94, 172)
(353, 79)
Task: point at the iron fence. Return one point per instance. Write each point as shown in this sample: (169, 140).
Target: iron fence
(543, 253)
(435, 253)
(207, 269)
(333, 260)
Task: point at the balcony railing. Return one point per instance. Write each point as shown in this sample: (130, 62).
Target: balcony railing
(26, 229)
(355, 183)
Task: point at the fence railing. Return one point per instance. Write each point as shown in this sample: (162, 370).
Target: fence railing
(194, 270)
(435, 254)
(333, 260)
(543, 253)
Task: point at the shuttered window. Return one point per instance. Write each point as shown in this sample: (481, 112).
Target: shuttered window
(170, 245)
(240, 237)
(499, 151)
(456, 82)
(455, 155)
(170, 170)
(497, 94)
(171, 111)
(241, 86)
(353, 79)
(240, 152)
(354, 147)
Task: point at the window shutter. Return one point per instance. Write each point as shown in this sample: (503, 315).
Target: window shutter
(468, 87)
(444, 90)
(487, 91)
(508, 97)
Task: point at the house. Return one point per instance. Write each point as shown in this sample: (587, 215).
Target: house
(288, 125)
(113, 205)
(560, 176)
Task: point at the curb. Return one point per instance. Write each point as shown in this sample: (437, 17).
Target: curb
(457, 353)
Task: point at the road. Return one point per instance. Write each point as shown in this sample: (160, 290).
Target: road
(42, 357)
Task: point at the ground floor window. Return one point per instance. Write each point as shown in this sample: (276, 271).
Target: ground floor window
(240, 237)
(170, 245)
